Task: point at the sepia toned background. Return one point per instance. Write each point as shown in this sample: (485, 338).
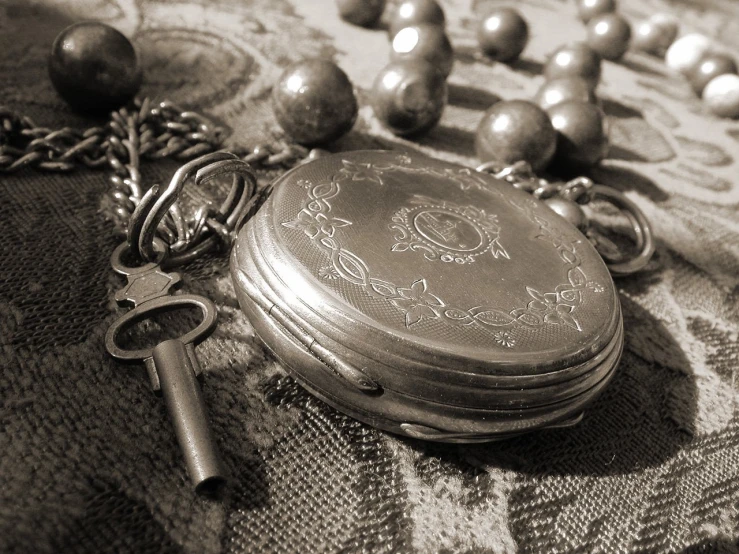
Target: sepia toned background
(88, 459)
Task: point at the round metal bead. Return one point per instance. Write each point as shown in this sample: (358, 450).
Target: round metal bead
(588, 9)
(609, 35)
(711, 66)
(582, 139)
(424, 42)
(314, 102)
(416, 12)
(721, 96)
(686, 52)
(565, 89)
(94, 67)
(656, 34)
(574, 60)
(569, 210)
(503, 34)
(409, 97)
(364, 13)
(516, 130)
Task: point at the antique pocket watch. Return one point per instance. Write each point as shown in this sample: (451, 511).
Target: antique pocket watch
(429, 299)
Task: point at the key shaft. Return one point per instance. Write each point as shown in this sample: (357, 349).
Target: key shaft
(176, 367)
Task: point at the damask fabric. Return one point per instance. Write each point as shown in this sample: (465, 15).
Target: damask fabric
(89, 461)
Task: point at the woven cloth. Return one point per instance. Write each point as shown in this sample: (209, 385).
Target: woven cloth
(88, 457)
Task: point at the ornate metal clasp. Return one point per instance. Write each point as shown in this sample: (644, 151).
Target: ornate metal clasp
(210, 227)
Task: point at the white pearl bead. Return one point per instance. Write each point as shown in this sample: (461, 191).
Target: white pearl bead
(686, 52)
(721, 95)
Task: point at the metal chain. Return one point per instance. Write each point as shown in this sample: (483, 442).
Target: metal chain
(164, 130)
(582, 190)
(142, 131)
(147, 131)
(521, 176)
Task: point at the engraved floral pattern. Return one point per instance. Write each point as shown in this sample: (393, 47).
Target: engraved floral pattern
(551, 307)
(313, 225)
(464, 177)
(504, 338)
(328, 272)
(595, 287)
(416, 301)
(362, 172)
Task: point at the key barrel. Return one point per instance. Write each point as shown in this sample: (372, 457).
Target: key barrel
(175, 364)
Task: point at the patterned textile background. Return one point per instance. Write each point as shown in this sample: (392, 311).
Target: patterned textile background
(88, 459)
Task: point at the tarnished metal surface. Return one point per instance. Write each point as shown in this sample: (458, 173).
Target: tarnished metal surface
(463, 301)
(177, 367)
(172, 365)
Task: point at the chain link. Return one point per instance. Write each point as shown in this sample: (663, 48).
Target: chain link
(162, 131)
(142, 131)
(521, 176)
